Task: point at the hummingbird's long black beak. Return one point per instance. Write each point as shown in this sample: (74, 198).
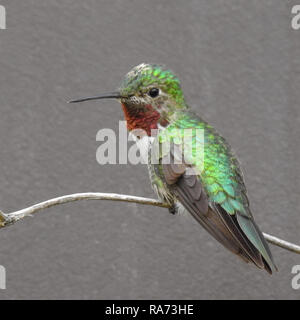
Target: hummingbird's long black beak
(110, 95)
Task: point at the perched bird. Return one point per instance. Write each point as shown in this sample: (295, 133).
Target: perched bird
(208, 182)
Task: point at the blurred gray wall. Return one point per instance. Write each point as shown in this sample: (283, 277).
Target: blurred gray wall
(239, 63)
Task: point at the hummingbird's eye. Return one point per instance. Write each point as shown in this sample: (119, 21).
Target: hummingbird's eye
(154, 92)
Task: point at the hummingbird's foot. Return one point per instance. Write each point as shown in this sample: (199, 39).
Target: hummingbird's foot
(173, 209)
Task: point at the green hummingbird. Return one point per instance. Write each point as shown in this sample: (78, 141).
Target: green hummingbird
(208, 182)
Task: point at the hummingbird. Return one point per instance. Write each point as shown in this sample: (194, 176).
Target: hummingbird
(208, 182)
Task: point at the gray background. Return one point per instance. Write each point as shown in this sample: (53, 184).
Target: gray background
(239, 63)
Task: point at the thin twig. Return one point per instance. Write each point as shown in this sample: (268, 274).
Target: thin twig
(282, 243)
(10, 218)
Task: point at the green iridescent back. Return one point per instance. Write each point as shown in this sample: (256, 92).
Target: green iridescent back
(218, 169)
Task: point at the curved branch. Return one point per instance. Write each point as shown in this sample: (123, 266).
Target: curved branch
(10, 218)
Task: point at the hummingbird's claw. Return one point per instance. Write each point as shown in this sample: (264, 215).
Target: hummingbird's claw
(173, 209)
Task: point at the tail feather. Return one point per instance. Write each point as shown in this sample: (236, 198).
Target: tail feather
(238, 236)
(246, 233)
(253, 233)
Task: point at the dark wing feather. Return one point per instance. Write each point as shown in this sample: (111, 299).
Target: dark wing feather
(223, 227)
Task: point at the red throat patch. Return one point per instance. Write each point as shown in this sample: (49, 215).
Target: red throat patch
(145, 119)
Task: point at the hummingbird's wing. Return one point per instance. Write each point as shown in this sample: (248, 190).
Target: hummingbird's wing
(237, 232)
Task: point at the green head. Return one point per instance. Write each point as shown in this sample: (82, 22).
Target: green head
(153, 84)
(149, 94)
